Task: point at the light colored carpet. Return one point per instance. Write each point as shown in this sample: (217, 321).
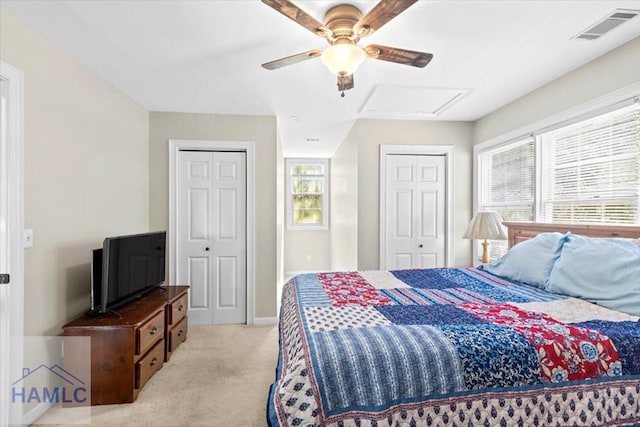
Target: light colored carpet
(219, 377)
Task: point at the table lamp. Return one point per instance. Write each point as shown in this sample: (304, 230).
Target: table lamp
(486, 225)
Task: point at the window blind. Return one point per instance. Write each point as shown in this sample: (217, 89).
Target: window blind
(591, 170)
(510, 189)
(512, 175)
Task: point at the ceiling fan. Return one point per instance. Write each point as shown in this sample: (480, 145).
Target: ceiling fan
(344, 26)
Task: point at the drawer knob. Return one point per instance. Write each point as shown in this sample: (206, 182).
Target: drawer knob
(180, 332)
(153, 361)
(180, 307)
(153, 330)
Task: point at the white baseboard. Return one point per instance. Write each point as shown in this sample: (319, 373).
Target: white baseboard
(265, 321)
(33, 415)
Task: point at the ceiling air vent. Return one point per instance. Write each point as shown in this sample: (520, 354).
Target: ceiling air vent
(603, 26)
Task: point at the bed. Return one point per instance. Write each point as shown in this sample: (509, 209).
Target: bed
(456, 347)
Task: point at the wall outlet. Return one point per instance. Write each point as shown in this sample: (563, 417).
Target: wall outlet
(308, 258)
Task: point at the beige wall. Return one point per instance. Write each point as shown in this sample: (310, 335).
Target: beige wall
(369, 135)
(259, 129)
(306, 250)
(86, 172)
(344, 207)
(615, 70)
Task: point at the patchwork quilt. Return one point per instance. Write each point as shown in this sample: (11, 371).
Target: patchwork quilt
(450, 347)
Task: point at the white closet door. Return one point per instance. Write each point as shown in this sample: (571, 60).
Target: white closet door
(415, 211)
(212, 234)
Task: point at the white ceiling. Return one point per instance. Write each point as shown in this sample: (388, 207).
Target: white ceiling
(205, 56)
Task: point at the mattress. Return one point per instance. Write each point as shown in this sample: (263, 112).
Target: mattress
(455, 347)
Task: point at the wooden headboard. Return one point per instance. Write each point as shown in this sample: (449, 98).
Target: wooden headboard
(521, 231)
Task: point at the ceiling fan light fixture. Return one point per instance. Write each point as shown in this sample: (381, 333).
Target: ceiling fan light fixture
(343, 58)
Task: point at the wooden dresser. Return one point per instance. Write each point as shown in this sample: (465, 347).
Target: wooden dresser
(127, 349)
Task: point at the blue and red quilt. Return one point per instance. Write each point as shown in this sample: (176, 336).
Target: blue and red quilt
(455, 347)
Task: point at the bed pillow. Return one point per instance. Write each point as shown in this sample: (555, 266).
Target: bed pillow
(529, 261)
(602, 271)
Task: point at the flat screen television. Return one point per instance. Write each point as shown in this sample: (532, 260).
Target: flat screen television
(125, 268)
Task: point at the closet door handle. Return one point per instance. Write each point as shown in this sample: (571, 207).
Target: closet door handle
(419, 246)
(207, 248)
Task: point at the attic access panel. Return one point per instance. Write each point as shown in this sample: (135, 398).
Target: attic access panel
(411, 102)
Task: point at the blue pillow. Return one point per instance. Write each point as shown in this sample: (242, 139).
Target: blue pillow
(529, 261)
(602, 271)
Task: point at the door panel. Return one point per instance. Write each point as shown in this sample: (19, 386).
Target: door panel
(227, 214)
(194, 231)
(429, 215)
(403, 261)
(404, 173)
(199, 280)
(212, 234)
(198, 211)
(227, 268)
(428, 260)
(199, 169)
(229, 240)
(402, 214)
(429, 173)
(415, 211)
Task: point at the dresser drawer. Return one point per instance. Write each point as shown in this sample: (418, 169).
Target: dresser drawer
(149, 364)
(150, 332)
(178, 309)
(178, 335)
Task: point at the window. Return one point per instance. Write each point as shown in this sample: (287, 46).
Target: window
(591, 172)
(584, 172)
(308, 194)
(509, 176)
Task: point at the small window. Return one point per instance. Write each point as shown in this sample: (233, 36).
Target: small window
(308, 194)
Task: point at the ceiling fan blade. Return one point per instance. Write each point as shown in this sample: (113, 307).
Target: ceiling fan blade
(381, 13)
(400, 56)
(298, 15)
(293, 59)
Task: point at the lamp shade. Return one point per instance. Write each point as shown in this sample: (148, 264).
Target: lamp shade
(343, 58)
(486, 225)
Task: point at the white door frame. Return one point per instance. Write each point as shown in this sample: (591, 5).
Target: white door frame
(177, 145)
(12, 295)
(433, 150)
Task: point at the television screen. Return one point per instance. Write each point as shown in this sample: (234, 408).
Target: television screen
(131, 265)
